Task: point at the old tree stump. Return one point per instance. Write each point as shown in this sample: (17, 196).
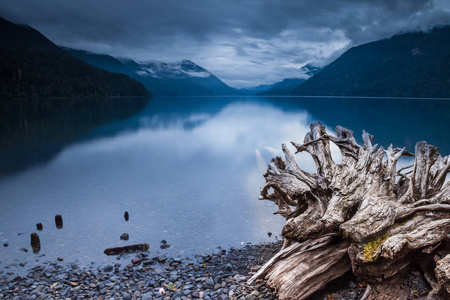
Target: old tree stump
(362, 215)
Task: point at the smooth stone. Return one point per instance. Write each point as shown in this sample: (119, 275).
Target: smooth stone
(209, 282)
(147, 296)
(108, 268)
(255, 293)
(100, 286)
(228, 267)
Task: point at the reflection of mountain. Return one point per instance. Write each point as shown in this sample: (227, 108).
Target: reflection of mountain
(26, 141)
(169, 79)
(32, 132)
(168, 112)
(403, 122)
(389, 120)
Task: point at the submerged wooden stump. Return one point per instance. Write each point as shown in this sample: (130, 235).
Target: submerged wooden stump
(35, 242)
(362, 215)
(58, 221)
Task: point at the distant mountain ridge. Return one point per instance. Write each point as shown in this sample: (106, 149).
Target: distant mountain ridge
(169, 79)
(31, 66)
(284, 87)
(406, 65)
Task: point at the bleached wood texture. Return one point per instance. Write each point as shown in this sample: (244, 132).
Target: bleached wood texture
(362, 215)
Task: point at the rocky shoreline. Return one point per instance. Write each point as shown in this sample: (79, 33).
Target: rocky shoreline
(220, 275)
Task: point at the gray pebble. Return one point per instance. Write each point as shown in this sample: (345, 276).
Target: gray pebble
(108, 268)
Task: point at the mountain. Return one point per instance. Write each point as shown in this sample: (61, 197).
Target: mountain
(310, 69)
(406, 65)
(284, 87)
(24, 37)
(257, 89)
(32, 66)
(170, 79)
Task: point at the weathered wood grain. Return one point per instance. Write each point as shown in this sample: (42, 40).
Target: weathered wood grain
(362, 214)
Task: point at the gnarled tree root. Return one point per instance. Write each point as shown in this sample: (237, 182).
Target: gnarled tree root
(362, 215)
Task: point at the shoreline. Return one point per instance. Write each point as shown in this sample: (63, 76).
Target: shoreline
(221, 275)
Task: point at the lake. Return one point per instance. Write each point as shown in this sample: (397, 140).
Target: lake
(188, 170)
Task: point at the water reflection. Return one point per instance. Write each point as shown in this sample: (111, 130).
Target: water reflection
(33, 131)
(403, 122)
(188, 170)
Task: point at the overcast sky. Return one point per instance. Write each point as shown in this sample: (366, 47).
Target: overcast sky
(244, 43)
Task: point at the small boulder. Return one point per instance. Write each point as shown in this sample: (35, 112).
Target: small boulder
(209, 282)
(228, 267)
(108, 268)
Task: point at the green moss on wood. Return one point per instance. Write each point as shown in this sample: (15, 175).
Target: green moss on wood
(371, 248)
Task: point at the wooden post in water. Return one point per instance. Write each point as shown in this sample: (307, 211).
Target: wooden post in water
(59, 221)
(39, 226)
(35, 242)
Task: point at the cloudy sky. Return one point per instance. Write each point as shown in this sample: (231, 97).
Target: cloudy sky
(245, 43)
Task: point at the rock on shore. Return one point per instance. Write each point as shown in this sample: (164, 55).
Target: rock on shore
(221, 275)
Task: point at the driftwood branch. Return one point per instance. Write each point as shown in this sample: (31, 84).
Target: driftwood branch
(362, 215)
(128, 248)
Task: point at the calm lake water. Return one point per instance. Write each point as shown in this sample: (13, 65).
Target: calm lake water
(188, 170)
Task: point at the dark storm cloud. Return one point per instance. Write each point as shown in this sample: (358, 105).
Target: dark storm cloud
(240, 41)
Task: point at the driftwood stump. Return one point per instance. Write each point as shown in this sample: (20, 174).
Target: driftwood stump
(129, 248)
(362, 215)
